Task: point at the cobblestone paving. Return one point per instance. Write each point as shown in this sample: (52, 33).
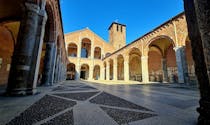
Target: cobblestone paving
(102, 104)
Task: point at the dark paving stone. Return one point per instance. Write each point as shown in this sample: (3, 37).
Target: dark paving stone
(81, 96)
(64, 119)
(111, 100)
(124, 116)
(87, 87)
(45, 107)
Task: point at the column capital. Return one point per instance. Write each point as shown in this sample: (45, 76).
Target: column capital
(178, 47)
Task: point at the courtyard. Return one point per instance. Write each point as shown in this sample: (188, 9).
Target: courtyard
(88, 103)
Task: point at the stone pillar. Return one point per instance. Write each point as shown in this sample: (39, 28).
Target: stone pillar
(197, 16)
(181, 65)
(115, 69)
(126, 70)
(19, 82)
(145, 71)
(102, 73)
(77, 75)
(91, 72)
(108, 71)
(56, 69)
(49, 63)
(164, 69)
(92, 51)
(79, 49)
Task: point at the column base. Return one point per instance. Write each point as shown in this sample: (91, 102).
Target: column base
(204, 111)
(21, 92)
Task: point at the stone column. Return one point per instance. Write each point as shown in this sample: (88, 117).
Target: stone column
(56, 70)
(90, 73)
(19, 82)
(164, 69)
(102, 73)
(49, 62)
(79, 49)
(115, 69)
(181, 65)
(126, 69)
(108, 71)
(77, 75)
(145, 71)
(197, 16)
(92, 51)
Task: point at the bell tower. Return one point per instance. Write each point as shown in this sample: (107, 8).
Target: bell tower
(117, 35)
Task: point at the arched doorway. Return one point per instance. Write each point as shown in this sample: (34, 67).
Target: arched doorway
(162, 60)
(154, 62)
(111, 74)
(86, 48)
(7, 44)
(120, 67)
(135, 69)
(84, 72)
(97, 53)
(72, 50)
(96, 72)
(71, 72)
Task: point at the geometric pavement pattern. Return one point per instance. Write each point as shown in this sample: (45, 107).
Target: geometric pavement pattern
(56, 108)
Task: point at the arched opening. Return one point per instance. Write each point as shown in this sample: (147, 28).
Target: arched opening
(120, 67)
(104, 70)
(97, 53)
(84, 72)
(162, 60)
(96, 72)
(190, 61)
(111, 74)
(135, 69)
(72, 50)
(154, 60)
(71, 72)
(86, 48)
(7, 43)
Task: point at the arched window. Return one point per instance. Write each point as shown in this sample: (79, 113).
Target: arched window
(86, 48)
(72, 50)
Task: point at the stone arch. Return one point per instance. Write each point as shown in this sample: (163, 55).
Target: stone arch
(84, 71)
(97, 52)
(135, 69)
(86, 48)
(71, 71)
(162, 59)
(120, 67)
(72, 49)
(96, 72)
(161, 37)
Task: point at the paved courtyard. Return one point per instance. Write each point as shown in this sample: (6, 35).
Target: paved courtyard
(86, 103)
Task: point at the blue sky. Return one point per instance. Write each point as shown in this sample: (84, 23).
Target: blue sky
(140, 16)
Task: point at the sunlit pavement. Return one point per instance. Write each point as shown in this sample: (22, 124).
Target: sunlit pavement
(90, 103)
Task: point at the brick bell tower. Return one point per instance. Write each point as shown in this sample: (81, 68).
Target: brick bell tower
(117, 35)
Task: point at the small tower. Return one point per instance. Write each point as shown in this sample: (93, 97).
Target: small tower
(117, 35)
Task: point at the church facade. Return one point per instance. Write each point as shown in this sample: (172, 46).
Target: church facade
(161, 55)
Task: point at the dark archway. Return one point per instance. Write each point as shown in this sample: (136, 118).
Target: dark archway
(71, 71)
